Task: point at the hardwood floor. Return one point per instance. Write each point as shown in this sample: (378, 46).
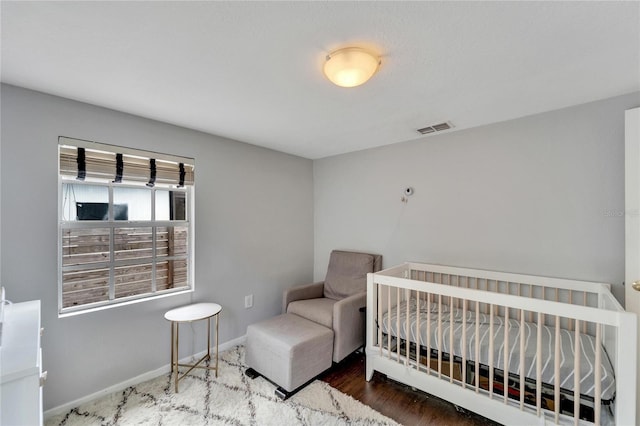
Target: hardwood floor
(395, 400)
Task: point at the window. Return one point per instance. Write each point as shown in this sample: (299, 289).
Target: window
(125, 225)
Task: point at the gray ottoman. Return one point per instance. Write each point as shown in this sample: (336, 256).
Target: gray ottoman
(289, 351)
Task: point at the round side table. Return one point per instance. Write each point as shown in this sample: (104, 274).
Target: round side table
(190, 313)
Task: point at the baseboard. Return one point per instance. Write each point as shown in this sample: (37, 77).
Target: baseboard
(135, 380)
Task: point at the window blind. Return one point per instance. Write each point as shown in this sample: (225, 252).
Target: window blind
(110, 162)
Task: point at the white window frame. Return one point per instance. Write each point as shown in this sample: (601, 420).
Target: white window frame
(112, 263)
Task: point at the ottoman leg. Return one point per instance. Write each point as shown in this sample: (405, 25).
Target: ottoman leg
(283, 394)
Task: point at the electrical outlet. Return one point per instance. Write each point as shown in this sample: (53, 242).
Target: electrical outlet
(248, 301)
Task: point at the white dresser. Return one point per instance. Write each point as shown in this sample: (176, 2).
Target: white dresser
(21, 365)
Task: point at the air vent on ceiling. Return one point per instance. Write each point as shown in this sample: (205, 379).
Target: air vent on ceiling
(434, 128)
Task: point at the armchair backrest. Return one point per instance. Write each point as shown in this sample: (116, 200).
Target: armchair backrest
(347, 273)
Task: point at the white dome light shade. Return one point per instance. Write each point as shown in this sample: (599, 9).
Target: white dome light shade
(351, 66)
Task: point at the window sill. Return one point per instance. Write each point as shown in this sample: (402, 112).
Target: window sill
(81, 311)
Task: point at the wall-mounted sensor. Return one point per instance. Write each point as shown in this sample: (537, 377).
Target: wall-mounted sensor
(408, 191)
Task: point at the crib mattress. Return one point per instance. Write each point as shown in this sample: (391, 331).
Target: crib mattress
(389, 325)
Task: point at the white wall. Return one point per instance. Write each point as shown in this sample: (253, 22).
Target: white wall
(253, 229)
(541, 195)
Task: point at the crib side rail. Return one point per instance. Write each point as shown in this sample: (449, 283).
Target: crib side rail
(535, 280)
(583, 313)
(572, 292)
(561, 290)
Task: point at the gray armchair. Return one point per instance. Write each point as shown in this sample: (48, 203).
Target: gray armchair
(336, 301)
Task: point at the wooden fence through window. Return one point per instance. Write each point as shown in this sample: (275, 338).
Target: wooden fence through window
(84, 247)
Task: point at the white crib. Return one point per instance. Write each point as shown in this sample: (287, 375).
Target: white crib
(518, 349)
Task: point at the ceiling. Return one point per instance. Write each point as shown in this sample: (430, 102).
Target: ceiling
(252, 71)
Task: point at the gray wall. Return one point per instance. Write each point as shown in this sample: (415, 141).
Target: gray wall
(253, 228)
(541, 195)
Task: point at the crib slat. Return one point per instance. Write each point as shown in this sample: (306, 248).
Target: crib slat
(379, 289)
(389, 322)
(451, 284)
(571, 324)
(584, 303)
(539, 365)
(506, 355)
(464, 343)
(531, 297)
(451, 340)
(408, 328)
(507, 289)
(522, 377)
(477, 372)
(486, 288)
(491, 341)
(556, 372)
(598, 375)
(576, 375)
(418, 296)
(518, 284)
(429, 332)
(398, 344)
(439, 336)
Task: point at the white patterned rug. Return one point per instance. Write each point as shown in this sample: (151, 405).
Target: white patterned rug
(230, 399)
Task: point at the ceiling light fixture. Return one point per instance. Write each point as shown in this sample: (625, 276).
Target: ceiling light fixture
(351, 66)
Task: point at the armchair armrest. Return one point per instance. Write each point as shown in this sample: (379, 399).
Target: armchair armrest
(302, 292)
(348, 325)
